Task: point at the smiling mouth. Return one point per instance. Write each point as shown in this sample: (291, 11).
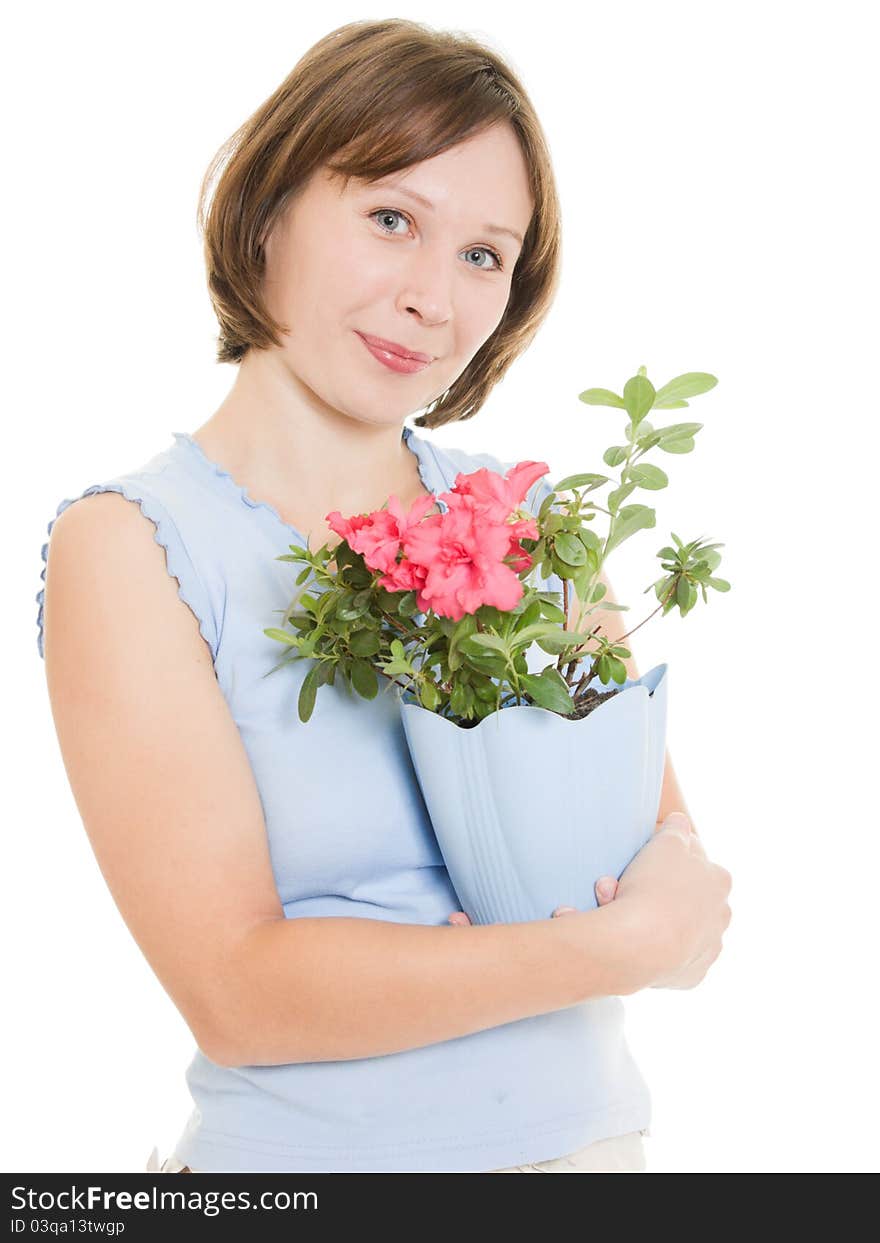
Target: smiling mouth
(402, 364)
(391, 347)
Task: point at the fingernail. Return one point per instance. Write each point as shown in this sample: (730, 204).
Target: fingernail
(605, 889)
(563, 910)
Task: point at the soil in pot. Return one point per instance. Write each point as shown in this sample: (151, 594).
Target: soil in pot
(587, 702)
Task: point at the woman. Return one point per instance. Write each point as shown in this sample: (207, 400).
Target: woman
(394, 196)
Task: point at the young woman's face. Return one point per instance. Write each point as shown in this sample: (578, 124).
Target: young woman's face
(372, 259)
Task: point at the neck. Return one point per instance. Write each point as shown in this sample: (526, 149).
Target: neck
(279, 440)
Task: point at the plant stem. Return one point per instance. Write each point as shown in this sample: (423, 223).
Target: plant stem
(398, 625)
(647, 619)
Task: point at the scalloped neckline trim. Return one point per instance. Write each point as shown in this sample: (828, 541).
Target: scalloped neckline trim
(414, 443)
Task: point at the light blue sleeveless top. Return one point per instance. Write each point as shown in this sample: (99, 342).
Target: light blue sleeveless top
(524, 1091)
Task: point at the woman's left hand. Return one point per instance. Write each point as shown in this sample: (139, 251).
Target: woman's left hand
(606, 891)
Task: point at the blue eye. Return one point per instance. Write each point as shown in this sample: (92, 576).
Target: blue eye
(393, 211)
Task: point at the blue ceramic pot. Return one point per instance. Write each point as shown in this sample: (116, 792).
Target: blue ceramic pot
(530, 808)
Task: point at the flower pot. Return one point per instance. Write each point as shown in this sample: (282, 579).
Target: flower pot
(530, 808)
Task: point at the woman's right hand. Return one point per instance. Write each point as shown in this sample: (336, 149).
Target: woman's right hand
(676, 900)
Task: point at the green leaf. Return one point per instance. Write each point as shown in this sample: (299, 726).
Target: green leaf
(597, 593)
(620, 494)
(365, 642)
(618, 670)
(489, 665)
(307, 693)
(588, 481)
(307, 646)
(677, 446)
(558, 640)
(638, 397)
(551, 611)
(615, 455)
(353, 606)
(486, 640)
(678, 431)
(631, 518)
(662, 586)
(407, 604)
(549, 690)
(487, 691)
(682, 591)
(529, 616)
(710, 559)
(584, 573)
(720, 584)
(570, 549)
(532, 633)
(429, 696)
(284, 661)
(283, 636)
(458, 700)
(325, 603)
(645, 475)
(546, 505)
(690, 384)
(364, 679)
(601, 397)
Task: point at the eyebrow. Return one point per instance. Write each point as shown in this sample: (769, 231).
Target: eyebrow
(420, 198)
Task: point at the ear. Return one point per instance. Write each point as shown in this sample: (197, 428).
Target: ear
(266, 240)
(267, 232)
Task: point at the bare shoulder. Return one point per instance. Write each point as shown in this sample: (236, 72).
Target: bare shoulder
(157, 767)
(104, 561)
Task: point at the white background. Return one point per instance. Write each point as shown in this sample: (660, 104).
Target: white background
(715, 165)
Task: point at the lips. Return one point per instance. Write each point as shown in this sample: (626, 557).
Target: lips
(392, 347)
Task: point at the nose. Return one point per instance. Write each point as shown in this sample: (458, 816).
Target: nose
(426, 289)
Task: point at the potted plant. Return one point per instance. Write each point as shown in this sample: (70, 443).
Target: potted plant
(537, 782)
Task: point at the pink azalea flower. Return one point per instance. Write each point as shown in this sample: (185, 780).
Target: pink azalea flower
(378, 536)
(500, 494)
(405, 576)
(459, 560)
(476, 559)
(525, 528)
(462, 552)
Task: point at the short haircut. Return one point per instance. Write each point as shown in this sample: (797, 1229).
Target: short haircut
(369, 99)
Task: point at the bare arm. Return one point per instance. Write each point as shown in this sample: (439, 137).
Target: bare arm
(168, 798)
(336, 988)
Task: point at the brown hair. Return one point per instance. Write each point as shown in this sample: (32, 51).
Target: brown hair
(367, 100)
